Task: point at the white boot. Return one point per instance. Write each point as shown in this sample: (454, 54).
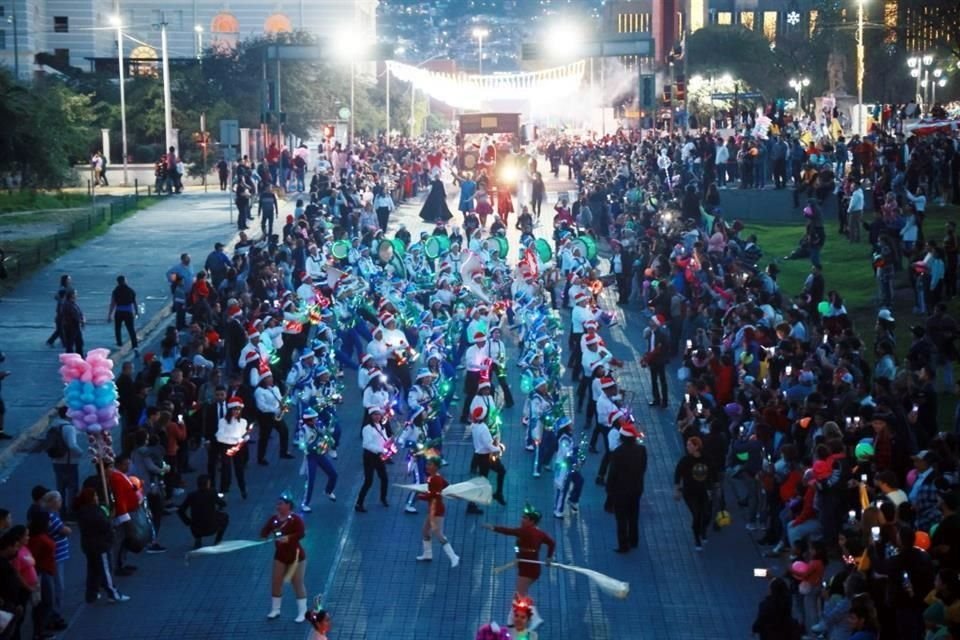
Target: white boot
(454, 558)
(535, 619)
(427, 554)
(301, 610)
(274, 608)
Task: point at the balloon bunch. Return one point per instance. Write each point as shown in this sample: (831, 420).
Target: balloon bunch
(91, 398)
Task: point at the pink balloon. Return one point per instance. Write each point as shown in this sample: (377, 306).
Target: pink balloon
(799, 567)
(87, 377)
(911, 477)
(70, 358)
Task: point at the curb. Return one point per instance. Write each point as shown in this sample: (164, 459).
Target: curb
(21, 441)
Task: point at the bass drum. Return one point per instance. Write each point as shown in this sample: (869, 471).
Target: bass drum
(543, 249)
(340, 249)
(436, 246)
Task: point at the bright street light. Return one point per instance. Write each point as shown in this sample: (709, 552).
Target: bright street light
(353, 46)
(697, 79)
(798, 84)
(117, 22)
(199, 31)
(480, 33)
(927, 60)
(564, 40)
(726, 78)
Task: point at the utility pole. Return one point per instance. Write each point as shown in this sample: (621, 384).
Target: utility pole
(167, 112)
(16, 40)
(413, 104)
(388, 102)
(123, 98)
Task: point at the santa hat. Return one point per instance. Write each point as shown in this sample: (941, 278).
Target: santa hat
(234, 403)
(607, 383)
(252, 333)
(581, 297)
(613, 416)
(251, 356)
(628, 430)
(386, 317)
(479, 413)
(593, 340)
(659, 320)
(485, 384)
(365, 358)
(264, 369)
(591, 324)
(479, 336)
(234, 311)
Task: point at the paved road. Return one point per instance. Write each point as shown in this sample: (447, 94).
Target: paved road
(364, 564)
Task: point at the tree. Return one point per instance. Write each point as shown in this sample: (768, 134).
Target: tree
(733, 49)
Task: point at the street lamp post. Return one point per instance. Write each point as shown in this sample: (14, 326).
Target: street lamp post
(480, 33)
(123, 95)
(799, 84)
(920, 69)
(16, 40)
(861, 121)
(199, 31)
(167, 111)
(353, 98)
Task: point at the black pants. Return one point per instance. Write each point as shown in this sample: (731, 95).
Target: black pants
(266, 224)
(236, 463)
(215, 528)
(72, 340)
(99, 576)
(470, 383)
(500, 378)
(605, 460)
(223, 181)
(399, 375)
(779, 173)
(699, 505)
(576, 356)
(626, 509)
(243, 214)
(124, 318)
(373, 462)
(269, 422)
(535, 206)
(485, 463)
(214, 453)
(584, 392)
(383, 218)
(658, 383)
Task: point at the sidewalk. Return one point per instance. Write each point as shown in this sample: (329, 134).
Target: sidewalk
(142, 247)
(363, 564)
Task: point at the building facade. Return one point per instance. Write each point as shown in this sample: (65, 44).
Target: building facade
(78, 32)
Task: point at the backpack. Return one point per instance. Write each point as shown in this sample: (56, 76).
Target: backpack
(55, 445)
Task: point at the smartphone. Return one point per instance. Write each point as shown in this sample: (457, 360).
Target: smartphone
(852, 514)
(825, 338)
(916, 407)
(761, 573)
(686, 397)
(689, 344)
(180, 418)
(788, 370)
(863, 478)
(849, 420)
(875, 533)
(752, 405)
(856, 420)
(879, 503)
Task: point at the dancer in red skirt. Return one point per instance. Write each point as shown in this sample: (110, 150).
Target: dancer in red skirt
(529, 540)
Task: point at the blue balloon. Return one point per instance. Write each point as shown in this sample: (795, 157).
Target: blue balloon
(75, 403)
(88, 387)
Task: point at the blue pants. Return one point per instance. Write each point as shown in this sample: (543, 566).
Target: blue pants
(350, 342)
(572, 488)
(544, 449)
(416, 468)
(315, 460)
(435, 431)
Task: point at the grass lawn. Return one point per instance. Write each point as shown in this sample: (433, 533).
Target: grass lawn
(12, 201)
(848, 269)
(40, 239)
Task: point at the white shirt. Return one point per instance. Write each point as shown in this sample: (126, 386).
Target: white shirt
(856, 200)
(482, 439)
(363, 378)
(394, 339)
(268, 400)
(375, 399)
(231, 432)
(589, 358)
(374, 439)
(579, 315)
(476, 357)
(419, 396)
(315, 266)
(379, 351)
(605, 406)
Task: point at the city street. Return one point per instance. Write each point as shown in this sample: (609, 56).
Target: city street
(363, 564)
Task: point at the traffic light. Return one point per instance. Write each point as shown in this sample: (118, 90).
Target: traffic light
(667, 97)
(681, 89)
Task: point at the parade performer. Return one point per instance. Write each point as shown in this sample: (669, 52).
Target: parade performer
(328, 396)
(435, 206)
(316, 441)
(529, 540)
(300, 385)
(567, 479)
(541, 437)
(271, 408)
(433, 524)
(487, 453)
(478, 366)
(231, 439)
(498, 357)
(376, 450)
(522, 612)
(319, 619)
(414, 440)
(289, 558)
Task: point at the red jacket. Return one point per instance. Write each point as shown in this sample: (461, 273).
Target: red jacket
(807, 512)
(126, 497)
(44, 551)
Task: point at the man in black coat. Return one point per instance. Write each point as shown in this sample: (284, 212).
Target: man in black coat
(628, 465)
(202, 511)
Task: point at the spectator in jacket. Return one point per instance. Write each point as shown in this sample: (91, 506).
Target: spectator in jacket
(923, 493)
(126, 500)
(628, 465)
(910, 577)
(66, 467)
(774, 621)
(96, 541)
(60, 533)
(202, 511)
